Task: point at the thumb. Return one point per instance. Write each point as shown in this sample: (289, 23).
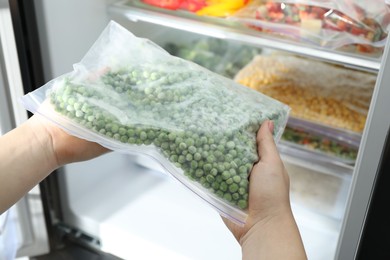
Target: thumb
(266, 147)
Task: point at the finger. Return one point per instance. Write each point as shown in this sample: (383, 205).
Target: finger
(266, 147)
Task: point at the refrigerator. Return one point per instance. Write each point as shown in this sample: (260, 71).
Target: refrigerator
(121, 206)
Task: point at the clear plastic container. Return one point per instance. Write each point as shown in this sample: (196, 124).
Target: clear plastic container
(325, 143)
(317, 92)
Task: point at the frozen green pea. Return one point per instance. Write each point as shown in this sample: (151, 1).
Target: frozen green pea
(114, 128)
(223, 186)
(207, 167)
(122, 131)
(181, 159)
(183, 146)
(232, 170)
(210, 178)
(236, 179)
(214, 172)
(199, 173)
(172, 136)
(243, 204)
(77, 106)
(164, 145)
(244, 183)
(219, 193)
(229, 181)
(241, 191)
(143, 135)
(189, 157)
(79, 113)
(233, 187)
(228, 157)
(197, 156)
(226, 175)
(233, 153)
(227, 197)
(206, 185)
(242, 169)
(218, 154)
(230, 145)
(192, 149)
(211, 158)
(173, 157)
(70, 108)
(190, 142)
(162, 137)
(194, 164)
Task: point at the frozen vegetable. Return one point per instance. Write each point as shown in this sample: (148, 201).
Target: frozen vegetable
(188, 5)
(220, 56)
(320, 143)
(316, 91)
(329, 24)
(221, 8)
(130, 95)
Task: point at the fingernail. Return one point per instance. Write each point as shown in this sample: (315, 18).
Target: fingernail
(271, 126)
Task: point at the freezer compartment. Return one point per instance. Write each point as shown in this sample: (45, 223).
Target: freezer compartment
(227, 29)
(318, 198)
(139, 213)
(318, 191)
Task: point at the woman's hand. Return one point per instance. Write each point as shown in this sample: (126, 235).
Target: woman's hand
(32, 151)
(67, 148)
(270, 231)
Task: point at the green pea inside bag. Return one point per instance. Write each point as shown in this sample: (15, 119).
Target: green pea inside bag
(131, 96)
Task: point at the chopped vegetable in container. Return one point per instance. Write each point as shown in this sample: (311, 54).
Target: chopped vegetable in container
(329, 24)
(318, 92)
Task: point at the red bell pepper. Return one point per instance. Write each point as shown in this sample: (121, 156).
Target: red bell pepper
(167, 4)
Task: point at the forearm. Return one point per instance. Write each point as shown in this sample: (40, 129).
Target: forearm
(26, 159)
(276, 238)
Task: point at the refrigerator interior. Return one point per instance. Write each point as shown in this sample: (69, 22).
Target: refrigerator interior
(129, 206)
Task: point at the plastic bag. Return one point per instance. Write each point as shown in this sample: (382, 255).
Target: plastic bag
(130, 95)
(316, 91)
(220, 56)
(319, 145)
(221, 8)
(328, 23)
(189, 5)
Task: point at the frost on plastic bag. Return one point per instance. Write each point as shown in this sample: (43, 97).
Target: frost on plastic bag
(130, 95)
(359, 25)
(316, 91)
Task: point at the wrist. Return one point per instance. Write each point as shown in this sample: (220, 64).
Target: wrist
(264, 222)
(275, 236)
(42, 142)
